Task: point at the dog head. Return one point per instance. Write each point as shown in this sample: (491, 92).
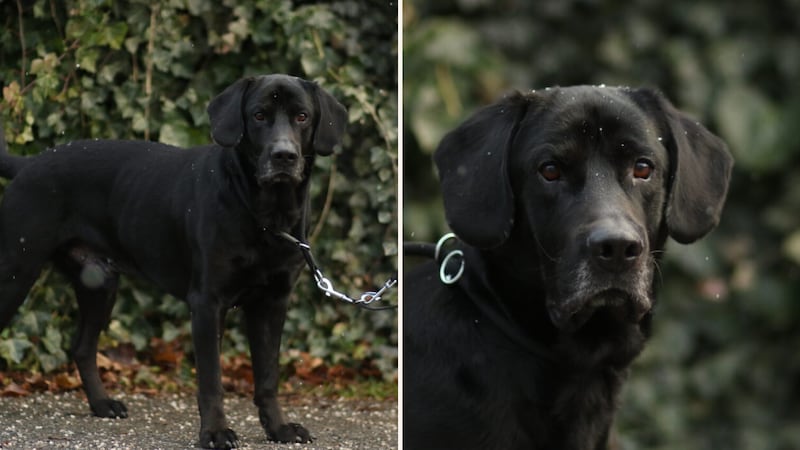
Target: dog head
(276, 121)
(587, 182)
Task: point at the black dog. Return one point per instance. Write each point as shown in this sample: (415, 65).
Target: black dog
(563, 201)
(200, 223)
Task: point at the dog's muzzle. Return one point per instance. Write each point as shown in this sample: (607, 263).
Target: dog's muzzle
(610, 272)
(618, 305)
(283, 164)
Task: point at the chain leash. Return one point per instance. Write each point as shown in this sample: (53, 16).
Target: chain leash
(324, 284)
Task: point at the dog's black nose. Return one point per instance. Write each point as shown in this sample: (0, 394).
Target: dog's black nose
(614, 250)
(283, 154)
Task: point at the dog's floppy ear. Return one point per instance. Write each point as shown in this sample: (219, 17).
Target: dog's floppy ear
(700, 170)
(225, 114)
(331, 120)
(473, 170)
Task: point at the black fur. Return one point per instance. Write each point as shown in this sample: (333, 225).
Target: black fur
(528, 350)
(199, 223)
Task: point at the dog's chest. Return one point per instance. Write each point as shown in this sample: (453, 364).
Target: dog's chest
(537, 404)
(258, 266)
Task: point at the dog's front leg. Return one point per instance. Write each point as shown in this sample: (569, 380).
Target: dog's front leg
(265, 318)
(214, 431)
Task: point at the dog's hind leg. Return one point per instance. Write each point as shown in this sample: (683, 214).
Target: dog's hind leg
(15, 282)
(95, 305)
(95, 282)
(20, 266)
(26, 244)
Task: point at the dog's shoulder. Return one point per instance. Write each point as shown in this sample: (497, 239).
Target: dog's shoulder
(430, 302)
(452, 340)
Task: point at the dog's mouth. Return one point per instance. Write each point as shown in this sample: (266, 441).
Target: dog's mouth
(281, 177)
(614, 305)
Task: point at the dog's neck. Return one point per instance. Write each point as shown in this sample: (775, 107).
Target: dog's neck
(277, 207)
(528, 312)
(280, 207)
(584, 373)
(587, 371)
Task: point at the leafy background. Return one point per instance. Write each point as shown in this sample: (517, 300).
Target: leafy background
(722, 370)
(146, 70)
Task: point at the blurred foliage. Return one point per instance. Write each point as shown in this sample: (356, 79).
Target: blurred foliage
(722, 370)
(146, 70)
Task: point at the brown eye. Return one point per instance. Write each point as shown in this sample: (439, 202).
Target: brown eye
(642, 169)
(301, 117)
(550, 171)
(260, 116)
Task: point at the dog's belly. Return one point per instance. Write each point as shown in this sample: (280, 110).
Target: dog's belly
(233, 275)
(98, 262)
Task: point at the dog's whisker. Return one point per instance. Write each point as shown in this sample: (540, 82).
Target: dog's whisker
(542, 249)
(657, 268)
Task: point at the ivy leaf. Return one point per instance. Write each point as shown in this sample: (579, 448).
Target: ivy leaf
(114, 35)
(87, 58)
(13, 350)
(52, 339)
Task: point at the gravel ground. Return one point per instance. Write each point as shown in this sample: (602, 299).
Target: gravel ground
(63, 421)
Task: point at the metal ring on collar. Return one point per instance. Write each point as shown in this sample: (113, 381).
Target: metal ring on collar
(447, 278)
(441, 243)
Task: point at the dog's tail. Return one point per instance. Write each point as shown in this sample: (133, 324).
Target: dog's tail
(10, 165)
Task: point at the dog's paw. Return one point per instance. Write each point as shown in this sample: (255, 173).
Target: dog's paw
(218, 439)
(290, 433)
(110, 409)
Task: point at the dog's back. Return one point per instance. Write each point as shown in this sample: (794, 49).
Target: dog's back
(110, 196)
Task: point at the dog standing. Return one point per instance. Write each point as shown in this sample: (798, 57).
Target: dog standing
(562, 200)
(199, 223)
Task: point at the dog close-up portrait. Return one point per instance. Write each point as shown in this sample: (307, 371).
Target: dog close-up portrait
(561, 201)
(203, 224)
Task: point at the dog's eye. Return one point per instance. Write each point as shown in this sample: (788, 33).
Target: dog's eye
(301, 117)
(550, 171)
(642, 169)
(260, 116)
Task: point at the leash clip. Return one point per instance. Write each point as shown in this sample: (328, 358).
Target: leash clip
(370, 296)
(325, 285)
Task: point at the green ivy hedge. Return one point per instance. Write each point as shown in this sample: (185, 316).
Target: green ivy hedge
(146, 70)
